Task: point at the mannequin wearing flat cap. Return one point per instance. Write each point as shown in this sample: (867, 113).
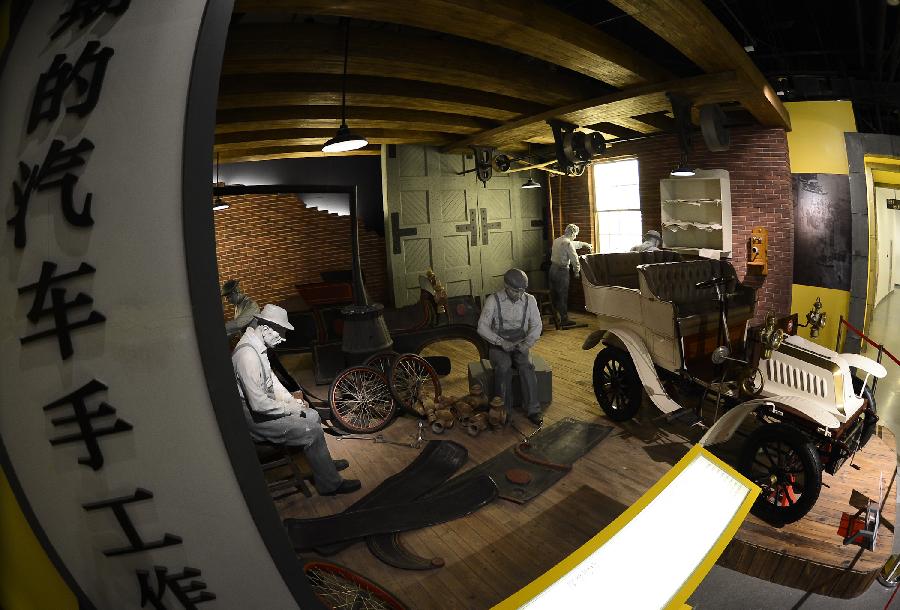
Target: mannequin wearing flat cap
(562, 255)
(244, 307)
(272, 413)
(511, 322)
(652, 242)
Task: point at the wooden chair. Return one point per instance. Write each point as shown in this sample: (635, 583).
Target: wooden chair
(271, 457)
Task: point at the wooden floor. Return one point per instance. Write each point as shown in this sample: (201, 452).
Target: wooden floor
(491, 554)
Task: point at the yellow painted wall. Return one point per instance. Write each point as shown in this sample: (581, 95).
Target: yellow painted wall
(816, 140)
(885, 177)
(834, 302)
(28, 581)
(816, 145)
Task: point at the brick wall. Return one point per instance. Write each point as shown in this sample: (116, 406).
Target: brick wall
(761, 195)
(272, 242)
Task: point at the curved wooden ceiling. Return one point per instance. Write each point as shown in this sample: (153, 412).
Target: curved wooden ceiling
(462, 72)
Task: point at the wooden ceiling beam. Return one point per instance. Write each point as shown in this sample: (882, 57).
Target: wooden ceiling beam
(693, 30)
(291, 152)
(615, 108)
(317, 137)
(318, 49)
(525, 26)
(360, 118)
(300, 89)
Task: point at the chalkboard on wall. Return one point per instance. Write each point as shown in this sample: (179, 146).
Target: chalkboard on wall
(822, 230)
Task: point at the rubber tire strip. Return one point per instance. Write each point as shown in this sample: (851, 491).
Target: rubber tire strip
(466, 498)
(436, 463)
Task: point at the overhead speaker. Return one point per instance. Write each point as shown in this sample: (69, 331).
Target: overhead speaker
(712, 125)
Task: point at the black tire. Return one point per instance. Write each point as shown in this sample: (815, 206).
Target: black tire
(783, 453)
(871, 415)
(616, 384)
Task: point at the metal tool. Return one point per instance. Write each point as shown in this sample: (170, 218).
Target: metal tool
(380, 439)
(525, 437)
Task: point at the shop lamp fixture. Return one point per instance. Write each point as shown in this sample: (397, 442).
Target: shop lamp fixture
(664, 528)
(683, 169)
(218, 204)
(344, 139)
(530, 183)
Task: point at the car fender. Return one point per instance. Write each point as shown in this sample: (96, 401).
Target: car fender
(865, 364)
(629, 341)
(727, 425)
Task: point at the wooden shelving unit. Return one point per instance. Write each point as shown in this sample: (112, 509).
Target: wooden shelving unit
(696, 212)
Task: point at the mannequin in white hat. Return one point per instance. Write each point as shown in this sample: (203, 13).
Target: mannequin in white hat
(272, 413)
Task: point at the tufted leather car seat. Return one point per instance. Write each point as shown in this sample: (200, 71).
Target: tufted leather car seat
(697, 308)
(620, 268)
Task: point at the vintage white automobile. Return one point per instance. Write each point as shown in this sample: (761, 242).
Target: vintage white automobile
(678, 328)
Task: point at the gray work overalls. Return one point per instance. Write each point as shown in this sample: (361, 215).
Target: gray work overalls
(502, 362)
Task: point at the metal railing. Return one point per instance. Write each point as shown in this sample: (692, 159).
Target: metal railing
(880, 347)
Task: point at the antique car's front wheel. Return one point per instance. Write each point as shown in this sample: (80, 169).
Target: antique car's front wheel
(871, 415)
(785, 464)
(616, 384)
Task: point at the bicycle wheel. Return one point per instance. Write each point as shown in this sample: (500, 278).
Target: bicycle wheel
(412, 379)
(338, 587)
(360, 400)
(382, 361)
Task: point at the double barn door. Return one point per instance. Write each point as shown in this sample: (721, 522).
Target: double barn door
(468, 234)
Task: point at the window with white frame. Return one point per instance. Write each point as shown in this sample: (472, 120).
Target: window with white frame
(618, 202)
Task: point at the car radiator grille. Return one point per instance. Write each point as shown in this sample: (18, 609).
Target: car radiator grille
(798, 379)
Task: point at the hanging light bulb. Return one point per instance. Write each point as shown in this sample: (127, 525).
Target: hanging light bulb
(344, 139)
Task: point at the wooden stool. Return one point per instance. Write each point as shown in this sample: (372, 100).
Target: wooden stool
(545, 305)
(272, 456)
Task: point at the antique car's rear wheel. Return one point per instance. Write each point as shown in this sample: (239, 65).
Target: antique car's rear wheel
(869, 426)
(616, 384)
(785, 464)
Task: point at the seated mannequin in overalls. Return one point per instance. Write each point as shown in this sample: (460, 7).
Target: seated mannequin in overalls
(511, 322)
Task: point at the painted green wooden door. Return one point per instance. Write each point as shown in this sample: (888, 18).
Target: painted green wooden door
(469, 235)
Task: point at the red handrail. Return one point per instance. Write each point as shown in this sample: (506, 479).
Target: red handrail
(877, 346)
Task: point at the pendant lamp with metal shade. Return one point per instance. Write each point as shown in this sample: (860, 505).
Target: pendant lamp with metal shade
(218, 203)
(531, 183)
(344, 140)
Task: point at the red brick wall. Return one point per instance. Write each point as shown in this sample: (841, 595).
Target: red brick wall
(761, 195)
(272, 242)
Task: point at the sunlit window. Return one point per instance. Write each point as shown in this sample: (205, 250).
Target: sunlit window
(618, 204)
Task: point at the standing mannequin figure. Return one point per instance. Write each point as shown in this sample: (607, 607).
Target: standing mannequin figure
(244, 307)
(511, 323)
(562, 255)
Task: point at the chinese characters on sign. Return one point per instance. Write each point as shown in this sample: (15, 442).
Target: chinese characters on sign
(74, 87)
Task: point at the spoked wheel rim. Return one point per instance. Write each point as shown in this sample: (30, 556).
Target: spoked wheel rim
(339, 588)
(615, 383)
(413, 379)
(360, 399)
(382, 362)
(778, 469)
